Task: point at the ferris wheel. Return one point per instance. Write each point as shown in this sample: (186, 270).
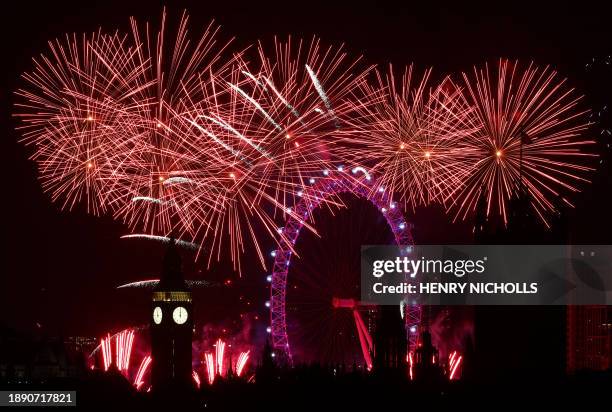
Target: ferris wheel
(316, 311)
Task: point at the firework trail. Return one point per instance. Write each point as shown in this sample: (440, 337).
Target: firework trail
(210, 367)
(454, 360)
(123, 350)
(151, 283)
(146, 199)
(219, 353)
(529, 114)
(142, 369)
(242, 361)
(322, 94)
(196, 378)
(410, 365)
(124, 341)
(162, 239)
(105, 345)
(412, 133)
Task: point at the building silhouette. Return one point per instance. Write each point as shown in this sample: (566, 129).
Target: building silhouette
(390, 341)
(427, 360)
(171, 326)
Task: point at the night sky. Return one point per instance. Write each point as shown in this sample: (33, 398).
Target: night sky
(59, 268)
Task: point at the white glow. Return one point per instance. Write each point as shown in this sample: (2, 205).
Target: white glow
(362, 170)
(146, 199)
(163, 239)
(157, 315)
(256, 105)
(180, 315)
(176, 180)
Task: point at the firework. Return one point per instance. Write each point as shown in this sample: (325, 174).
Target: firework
(99, 112)
(72, 115)
(219, 354)
(189, 139)
(454, 360)
(123, 349)
(151, 283)
(196, 378)
(215, 362)
(166, 74)
(142, 369)
(410, 360)
(241, 363)
(412, 132)
(529, 140)
(210, 367)
(124, 341)
(270, 130)
(162, 239)
(105, 345)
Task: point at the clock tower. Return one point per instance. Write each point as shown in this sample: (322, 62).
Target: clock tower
(171, 326)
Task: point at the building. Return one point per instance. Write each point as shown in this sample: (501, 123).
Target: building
(390, 341)
(29, 359)
(589, 338)
(171, 327)
(426, 360)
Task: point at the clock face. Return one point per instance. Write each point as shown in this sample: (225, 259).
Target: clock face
(179, 315)
(157, 315)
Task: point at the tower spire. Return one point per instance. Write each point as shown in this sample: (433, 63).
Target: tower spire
(172, 272)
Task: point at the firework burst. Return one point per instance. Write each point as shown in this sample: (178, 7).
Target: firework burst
(99, 112)
(165, 77)
(188, 139)
(529, 140)
(413, 133)
(71, 114)
(269, 126)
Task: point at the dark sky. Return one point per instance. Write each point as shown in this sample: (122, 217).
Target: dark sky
(59, 268)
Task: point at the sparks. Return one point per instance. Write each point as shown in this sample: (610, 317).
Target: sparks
(242, 361)
(142, 369)
(533, 124)
(219, 353)
(163, 239)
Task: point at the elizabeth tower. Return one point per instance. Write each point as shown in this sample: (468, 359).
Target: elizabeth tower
(171, 326)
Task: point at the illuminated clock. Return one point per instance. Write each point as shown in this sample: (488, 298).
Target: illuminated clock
(157, 315)
(179, 315)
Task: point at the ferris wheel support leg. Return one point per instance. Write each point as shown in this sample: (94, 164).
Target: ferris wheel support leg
(364, 339)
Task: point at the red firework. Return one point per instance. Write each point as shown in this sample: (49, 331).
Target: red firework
(99, 113)
(147, 190)
(72, 116)
(269, 127)
(123, 344)
(182, 140)
(216, 364)
(413, 133)
(530, 137)
(191, 141)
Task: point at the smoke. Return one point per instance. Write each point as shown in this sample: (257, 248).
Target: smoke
(451, 328)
